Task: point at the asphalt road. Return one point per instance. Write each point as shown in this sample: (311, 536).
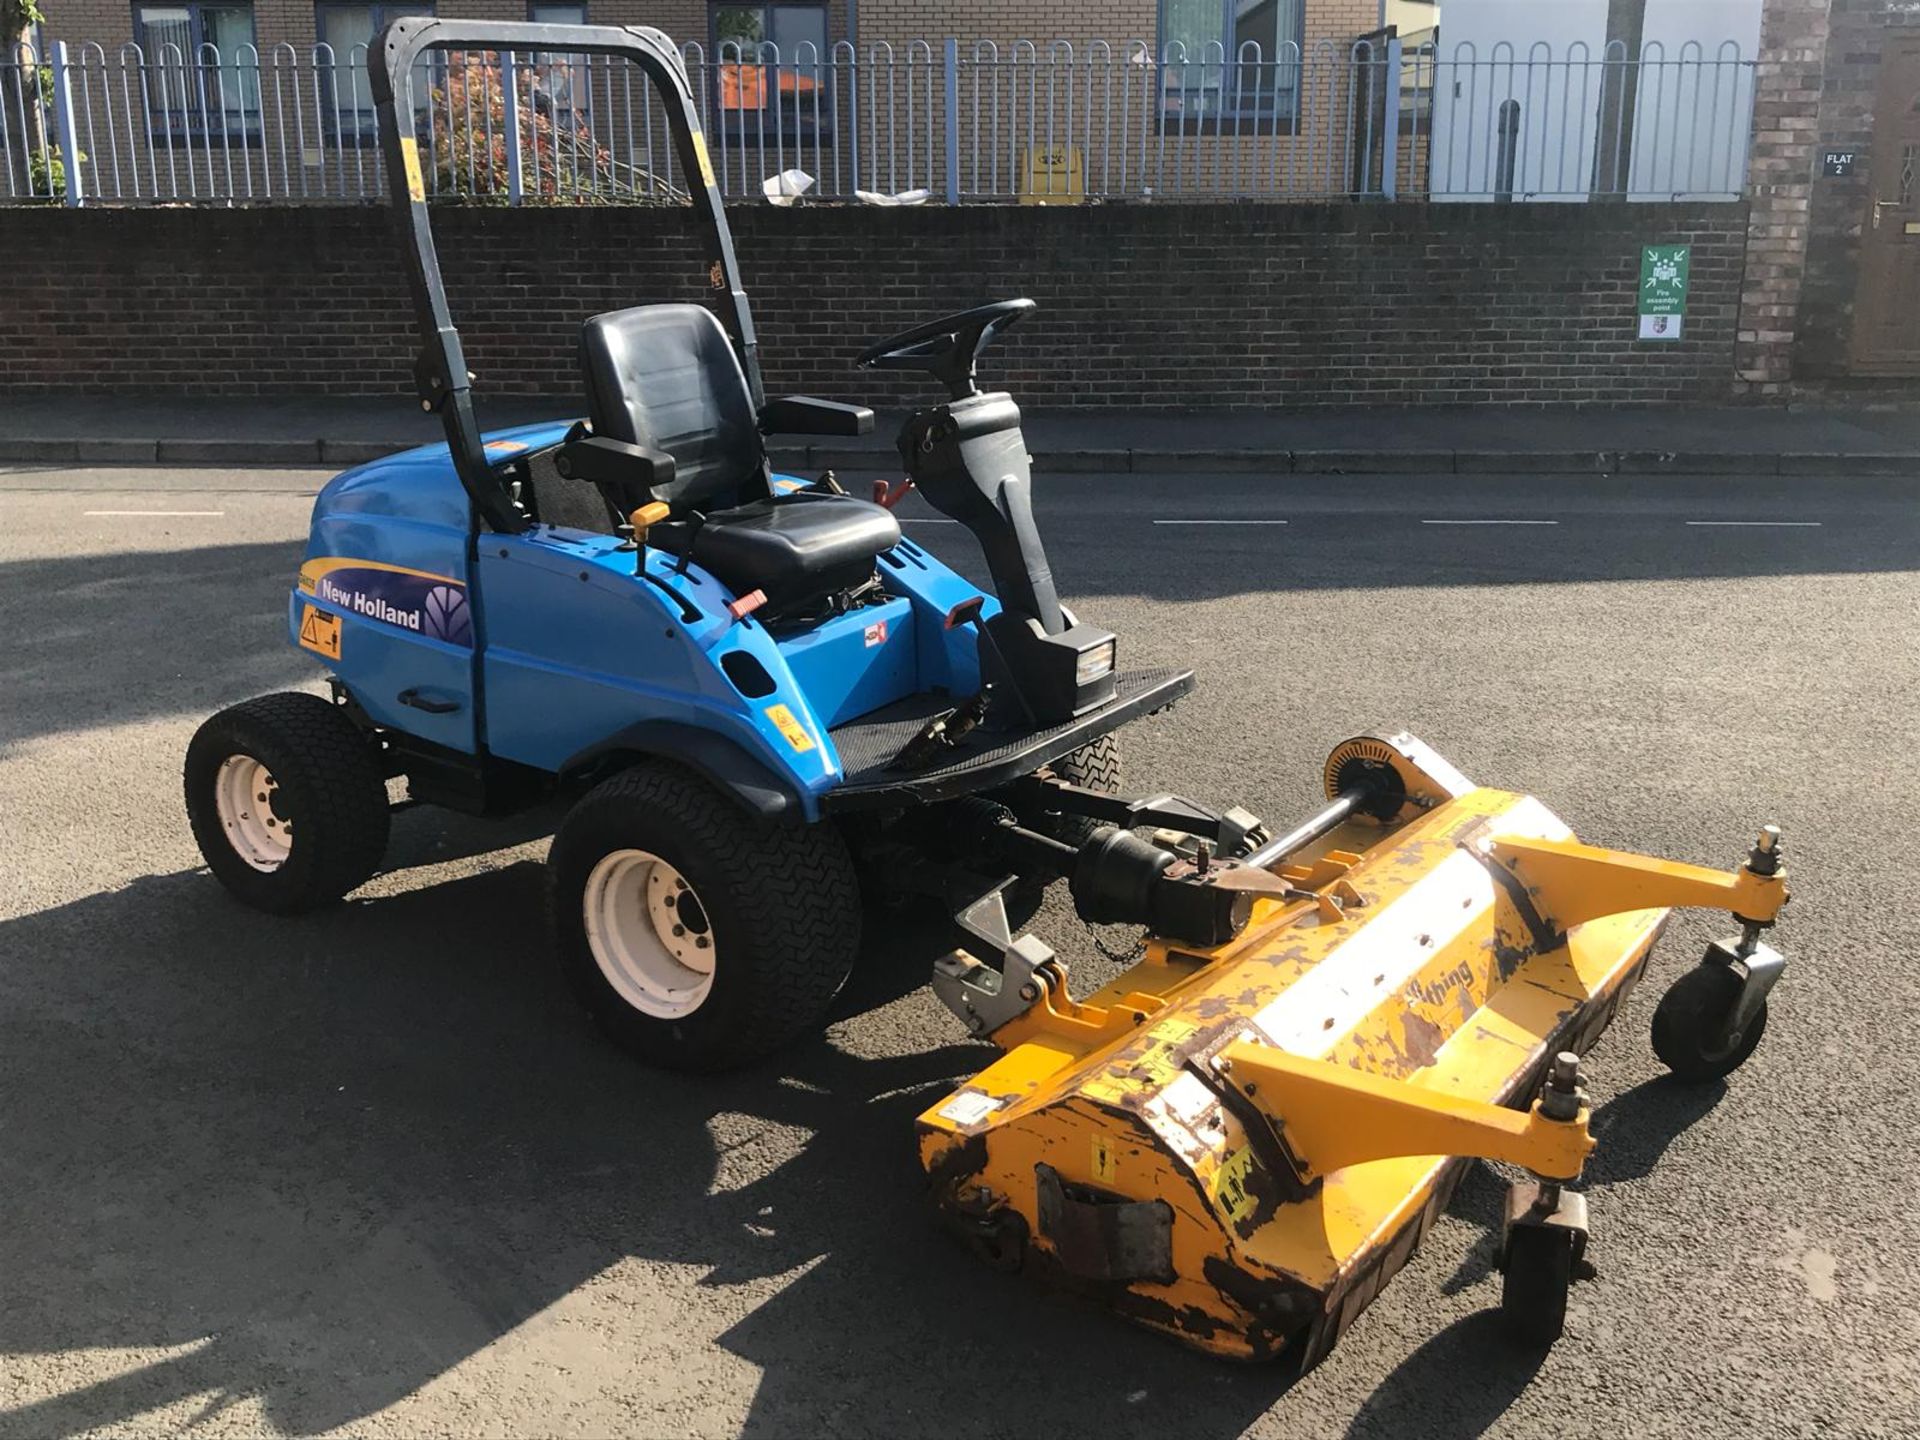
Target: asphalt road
(369, 1170)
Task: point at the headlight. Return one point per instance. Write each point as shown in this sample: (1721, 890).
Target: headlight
(1094, 663)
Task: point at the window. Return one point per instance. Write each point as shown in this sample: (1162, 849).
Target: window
(1229, 60)
(203, 73)
(786, 98)
(348, 30)
(563, 84)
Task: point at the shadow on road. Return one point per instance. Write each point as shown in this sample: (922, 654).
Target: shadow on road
(1457, 1384)
(323, 1161)
(1634, 1129)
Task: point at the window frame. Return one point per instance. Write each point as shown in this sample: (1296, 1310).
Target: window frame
(359, 125)
(582, 108)
(740, 125)
(188, 123)
(1278, 116)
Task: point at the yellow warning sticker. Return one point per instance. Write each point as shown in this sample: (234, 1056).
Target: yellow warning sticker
(1145, 1073)
(410, 159)
(700, 155)
(320, 632)
(1230, 1184)
(795, 733)
(1105, 1166)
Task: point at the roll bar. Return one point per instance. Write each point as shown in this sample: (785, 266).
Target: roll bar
(440, 372)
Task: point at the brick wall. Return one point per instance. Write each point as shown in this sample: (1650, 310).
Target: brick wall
(1250, 305)
(1856, 39)
(1793, 45)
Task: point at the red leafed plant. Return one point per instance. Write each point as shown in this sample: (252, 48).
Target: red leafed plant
(560, 160)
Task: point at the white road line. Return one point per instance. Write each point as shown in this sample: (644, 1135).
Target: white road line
(1219, 522)
(1489, 522)
(924, 520)
(1764, 524)
(203, 513)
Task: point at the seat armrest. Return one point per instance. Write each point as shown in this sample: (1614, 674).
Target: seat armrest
(629, 472)
(803, 415)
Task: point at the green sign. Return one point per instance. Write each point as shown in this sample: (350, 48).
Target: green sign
(1663, 290)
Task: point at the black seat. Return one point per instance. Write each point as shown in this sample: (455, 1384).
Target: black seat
(666, 377)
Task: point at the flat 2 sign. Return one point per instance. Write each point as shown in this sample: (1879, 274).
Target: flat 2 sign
(1663, 290)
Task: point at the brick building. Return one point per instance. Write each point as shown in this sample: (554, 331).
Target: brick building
(230, 24)
(1832, 292)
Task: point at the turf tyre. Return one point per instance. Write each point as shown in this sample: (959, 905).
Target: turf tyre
(782, 901)
(327, 783)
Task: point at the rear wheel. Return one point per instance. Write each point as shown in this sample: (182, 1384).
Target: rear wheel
(696, 936)
(287, 802)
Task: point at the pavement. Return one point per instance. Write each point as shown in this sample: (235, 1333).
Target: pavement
(1750, 440)
(368, 1172)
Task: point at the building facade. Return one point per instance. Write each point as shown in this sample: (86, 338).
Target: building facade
(231, 24)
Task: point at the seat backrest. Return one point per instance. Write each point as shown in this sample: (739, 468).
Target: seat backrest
(666, 376)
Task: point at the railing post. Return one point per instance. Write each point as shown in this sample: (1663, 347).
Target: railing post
(953, 120)
(63, 118)
(510, 90)
(1390, 124)
(1508, 157)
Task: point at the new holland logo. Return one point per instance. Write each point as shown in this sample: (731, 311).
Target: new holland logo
(415, 600)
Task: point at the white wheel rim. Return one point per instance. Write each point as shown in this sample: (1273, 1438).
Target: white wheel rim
(649, 933)
(244, 796)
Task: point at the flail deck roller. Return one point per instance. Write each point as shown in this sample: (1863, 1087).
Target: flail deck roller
(1238, 1144)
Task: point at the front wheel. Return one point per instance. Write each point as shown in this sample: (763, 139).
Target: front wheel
(696, 936)
(287, 802)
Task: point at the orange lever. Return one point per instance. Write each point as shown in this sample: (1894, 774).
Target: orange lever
(746, 604)
(890, 495)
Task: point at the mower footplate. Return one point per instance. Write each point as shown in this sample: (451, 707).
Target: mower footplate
(1416, 979)
(870, 748)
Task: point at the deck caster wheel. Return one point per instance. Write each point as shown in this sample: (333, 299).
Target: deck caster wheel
(1533, 1292)
(1543, 1251)
(1690, 1032)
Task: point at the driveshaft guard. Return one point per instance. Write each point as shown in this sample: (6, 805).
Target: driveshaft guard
(1117, 1161)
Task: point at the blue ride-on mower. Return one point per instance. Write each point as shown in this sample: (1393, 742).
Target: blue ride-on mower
(762, 699)
(757, 687)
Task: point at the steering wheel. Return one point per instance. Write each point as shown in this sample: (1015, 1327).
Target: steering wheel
(948, 347)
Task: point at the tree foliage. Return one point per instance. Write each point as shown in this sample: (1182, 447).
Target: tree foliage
(559, 158)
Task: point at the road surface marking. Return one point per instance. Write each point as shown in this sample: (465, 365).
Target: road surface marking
(924, 520)
(1219, 522)
(1489, 522)
(1764, 524)
(207, 513)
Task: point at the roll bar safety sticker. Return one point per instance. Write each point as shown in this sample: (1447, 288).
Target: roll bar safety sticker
(410, 158)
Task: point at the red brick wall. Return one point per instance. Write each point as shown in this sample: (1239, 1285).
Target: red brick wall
(1856, 37)
(1141, 305)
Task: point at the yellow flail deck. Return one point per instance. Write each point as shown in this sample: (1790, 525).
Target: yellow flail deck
(1227, 1144)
